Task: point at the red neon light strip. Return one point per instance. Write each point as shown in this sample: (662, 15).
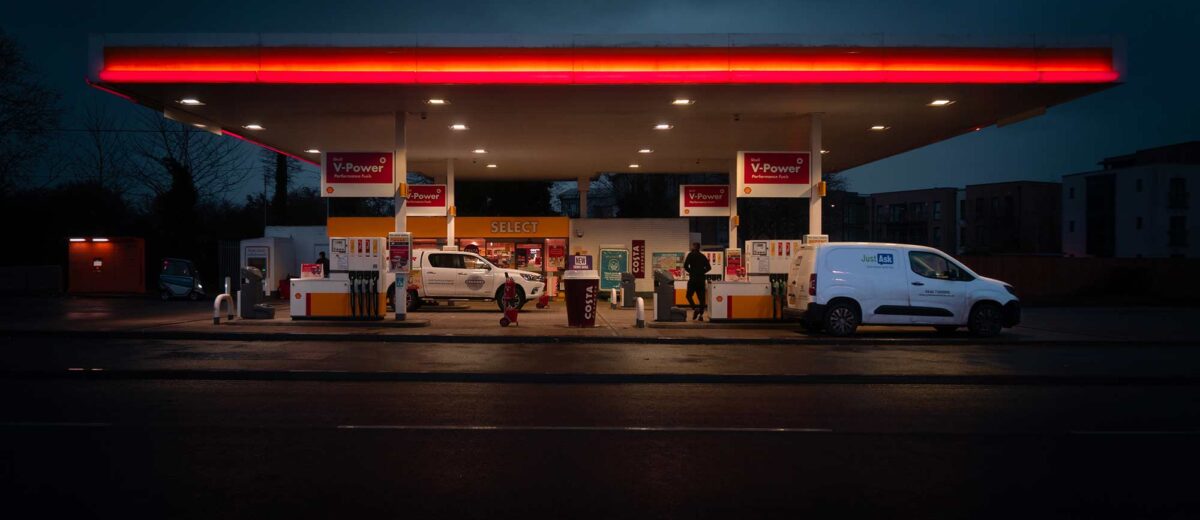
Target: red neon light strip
(611, 78)
(109, 90)
(271, 148)
(605, 66)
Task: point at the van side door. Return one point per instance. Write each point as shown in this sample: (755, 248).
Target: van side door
(937, 289)
(440, 273)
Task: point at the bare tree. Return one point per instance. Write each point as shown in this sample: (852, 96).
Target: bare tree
(103, 155)
(214, 165)
(28, 112)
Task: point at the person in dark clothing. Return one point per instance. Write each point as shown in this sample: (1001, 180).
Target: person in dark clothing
(324, 263)
(696, 265)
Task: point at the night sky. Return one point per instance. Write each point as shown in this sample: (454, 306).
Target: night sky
(1157, 105)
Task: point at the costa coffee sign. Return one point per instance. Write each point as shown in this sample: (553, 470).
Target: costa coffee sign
(357, 174)
(773, 174)
(637, 259)
(703, 200)
(427, 200)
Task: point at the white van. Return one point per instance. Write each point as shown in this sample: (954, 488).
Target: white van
(838, 286)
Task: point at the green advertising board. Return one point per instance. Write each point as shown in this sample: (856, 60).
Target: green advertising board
(613, 262)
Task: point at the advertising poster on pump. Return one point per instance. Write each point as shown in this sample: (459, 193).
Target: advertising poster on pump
(427, 200)
(773, 174)
(703, 200)
(357, 174)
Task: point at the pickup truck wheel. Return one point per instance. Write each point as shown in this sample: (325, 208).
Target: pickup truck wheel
(986, 320)
(414, 301)
(500, 298)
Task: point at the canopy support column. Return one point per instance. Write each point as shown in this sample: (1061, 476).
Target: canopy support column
(733, 207)
(451, 210)
(400, 185)
(814, 147)
(584, 185)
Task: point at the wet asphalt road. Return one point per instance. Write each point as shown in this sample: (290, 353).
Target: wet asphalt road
(260, 449)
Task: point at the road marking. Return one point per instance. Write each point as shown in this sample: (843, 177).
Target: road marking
(693, 429)
(1134, 432)
(53, 424)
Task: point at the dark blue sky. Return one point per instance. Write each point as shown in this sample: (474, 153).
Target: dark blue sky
(1157, 105)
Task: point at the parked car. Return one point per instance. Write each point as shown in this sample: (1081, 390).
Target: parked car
(179, 279)
(460, 275)
(836, 287)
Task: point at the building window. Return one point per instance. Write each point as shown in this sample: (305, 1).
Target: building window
(1177, 233)
(962, 209)
(897, 212)
(1071, 226)
(937, 210)
(1071, 193)
(962, 237)
(1177, 196)
(918, 211)
(1138, 185)
(1009, 206)
(937, 236)
(995, 207)
(1139, 223)
(979, 207)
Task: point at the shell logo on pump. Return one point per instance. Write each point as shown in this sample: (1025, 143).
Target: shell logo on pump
(329, 189)
(297, 296)
(746, 190)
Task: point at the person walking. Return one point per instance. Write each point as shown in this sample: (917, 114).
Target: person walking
(697, 266)
(324, 263)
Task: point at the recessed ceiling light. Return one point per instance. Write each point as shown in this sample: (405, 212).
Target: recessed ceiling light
(492, 166)
(438, 101)
(823, 152)
(458, 126)
(78, 239)
(880, 128)
(663, 126)
(253, 126)
(479, 150)
(192, 102)
(683, 101)
(99, 239)
(312, 150)
(941, 102)
(645, 150)
(634, 166)
(199, 125)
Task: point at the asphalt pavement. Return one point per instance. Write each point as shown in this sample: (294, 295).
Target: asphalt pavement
(254, 449)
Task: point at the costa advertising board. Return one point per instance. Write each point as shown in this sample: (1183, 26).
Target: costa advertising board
(357, 174)
(703, 200)
(427, 200)
(773, 174)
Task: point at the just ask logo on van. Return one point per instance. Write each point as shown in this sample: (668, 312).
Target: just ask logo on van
(880, 259)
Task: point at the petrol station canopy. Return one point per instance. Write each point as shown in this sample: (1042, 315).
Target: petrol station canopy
(561, 107)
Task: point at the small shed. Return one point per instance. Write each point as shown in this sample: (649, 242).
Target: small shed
(106, 265)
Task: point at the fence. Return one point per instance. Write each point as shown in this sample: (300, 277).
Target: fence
(31, 279)
(1061, 280)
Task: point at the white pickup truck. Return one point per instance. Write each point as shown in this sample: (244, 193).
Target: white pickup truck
(457, 275)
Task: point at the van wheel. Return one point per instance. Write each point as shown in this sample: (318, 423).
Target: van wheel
(946, 329)
(841, 319)
(985, 320)
(500, 298)
(164, 295)
(194, 296)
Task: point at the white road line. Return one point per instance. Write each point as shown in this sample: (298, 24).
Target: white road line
(699, 429)
(1134, 432)
(53, 425)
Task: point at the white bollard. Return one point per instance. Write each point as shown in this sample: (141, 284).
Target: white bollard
(641, 314)
(612, 298)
